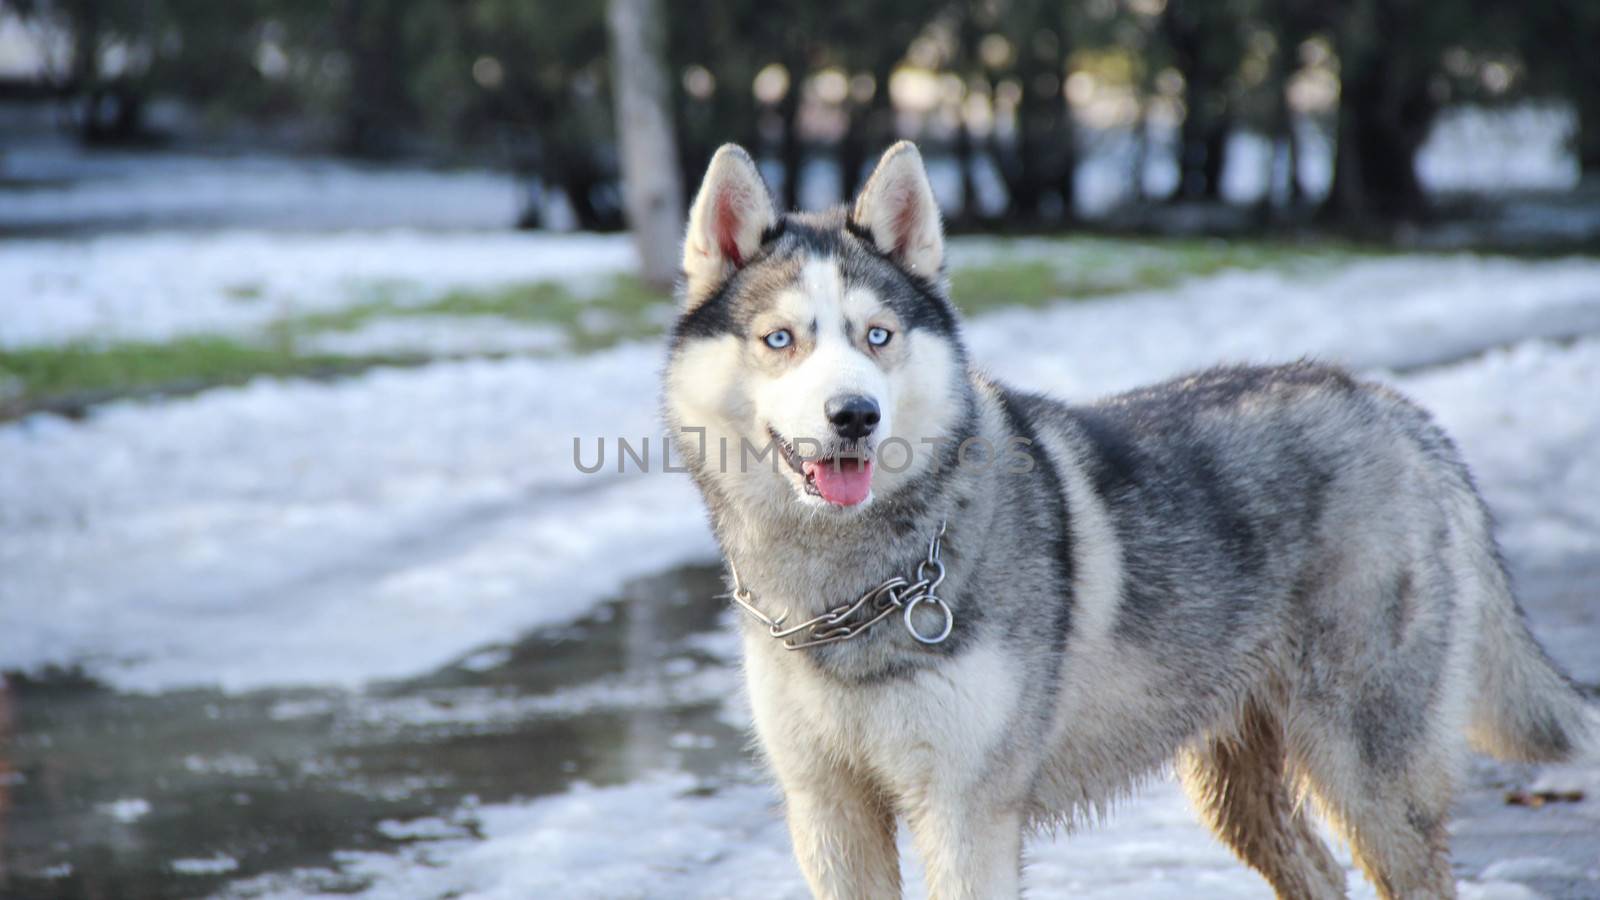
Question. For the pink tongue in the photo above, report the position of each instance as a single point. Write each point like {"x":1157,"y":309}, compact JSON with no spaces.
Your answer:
{"x":842,"y":482}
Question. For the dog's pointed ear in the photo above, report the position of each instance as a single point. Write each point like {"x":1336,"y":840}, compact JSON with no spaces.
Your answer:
{"x":729,"y":216}
{"x":898,"y":209}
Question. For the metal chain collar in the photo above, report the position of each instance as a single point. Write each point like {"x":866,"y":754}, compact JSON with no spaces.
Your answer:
{"x":848,"y":620}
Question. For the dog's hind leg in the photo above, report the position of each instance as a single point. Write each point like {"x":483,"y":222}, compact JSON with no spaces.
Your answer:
{"x":1395,"y":826}
{"x":1239,"y":786}
{"x":1378,"y":714}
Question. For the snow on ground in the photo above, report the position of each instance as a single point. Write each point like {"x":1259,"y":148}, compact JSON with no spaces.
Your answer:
{"x":436,"y":336}
{"x":1396,"y":312}
{"x":1529,"y":423}
{"x":71,"y":187}
{"x":378,"y":527}
{"x":688,"y":838}
{"x":210,"y":865}
{"x":158,"y":285}
{"x":1494,"y":150}
{"x":303,"y":532}
{"x":691,"y":836}
{"x":685,"y":842}
{"x":381,"y":526}
{"x":127,"y":810}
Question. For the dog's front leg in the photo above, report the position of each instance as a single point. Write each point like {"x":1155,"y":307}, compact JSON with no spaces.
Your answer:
{"x":843,"y":832}
{"x":971,"y":847}
{"x":841,"y":821}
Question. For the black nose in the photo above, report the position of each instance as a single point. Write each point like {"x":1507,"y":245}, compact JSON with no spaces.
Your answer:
{"x":853,"y":416}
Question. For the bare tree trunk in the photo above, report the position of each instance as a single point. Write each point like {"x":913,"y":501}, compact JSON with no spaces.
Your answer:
{"x":84,"y":81}
{"x":1384,"y":116}
{"x":1204,"y":43}
{"x":870,"y":129}
{"x":1297,"y":189}
{"x":1587,"y":140}
{"x":791,"y":150}
{"x":651,"y":185}
{"x":1141,"y":153}
{"x":964,"y":158}
{"x":1281,"y":133}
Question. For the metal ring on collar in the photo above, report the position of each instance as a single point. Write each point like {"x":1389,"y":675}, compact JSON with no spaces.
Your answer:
{"x":949,"y":619}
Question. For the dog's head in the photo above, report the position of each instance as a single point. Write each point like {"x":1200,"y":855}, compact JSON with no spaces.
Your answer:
{"x":826,"y":339}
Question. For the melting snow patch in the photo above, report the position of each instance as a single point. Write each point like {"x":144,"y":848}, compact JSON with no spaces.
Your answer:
{"x":1525,"y":418}
{"x":161,"y":285}
{"x":1496,"y":890}
{"x":687,"y":839}
{"x":431,"y":828}
{"x":486,"y":710}
{"x":127,"y":810}
{"x":485,"y":660}
{"x":1524,"y":868}
{"x":213,"y":865}
{"x":388,"y":525}
{"x":235,"y":765}
{"x":437,"y":336}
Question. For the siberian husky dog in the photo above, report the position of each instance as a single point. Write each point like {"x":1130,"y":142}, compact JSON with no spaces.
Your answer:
{"x":982,"y":611}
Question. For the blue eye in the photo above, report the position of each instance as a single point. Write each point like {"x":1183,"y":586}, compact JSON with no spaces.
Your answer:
{"x":779,"y":339}
{"x":877,"y":337}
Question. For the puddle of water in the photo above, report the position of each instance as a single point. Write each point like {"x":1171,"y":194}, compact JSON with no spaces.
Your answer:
{"x":112,"y":795}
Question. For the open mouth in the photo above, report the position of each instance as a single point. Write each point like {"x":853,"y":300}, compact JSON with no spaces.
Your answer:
{"x":844,"y":479}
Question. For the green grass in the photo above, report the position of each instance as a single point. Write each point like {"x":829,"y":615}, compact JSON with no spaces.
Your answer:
{"x":1019,"y":273}
{"x":1003,"y":273}
{"x":624,"y":308}
{"x":39,"y":374}
{"x":78,"y":374}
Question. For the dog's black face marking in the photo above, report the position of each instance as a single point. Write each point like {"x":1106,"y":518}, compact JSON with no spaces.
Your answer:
{"x":924,"y":303}
{"x":710,"y":319}
{"x":918,"y":302}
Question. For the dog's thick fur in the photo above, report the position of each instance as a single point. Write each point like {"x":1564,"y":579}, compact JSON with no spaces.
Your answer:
{"x":1283,"y":578}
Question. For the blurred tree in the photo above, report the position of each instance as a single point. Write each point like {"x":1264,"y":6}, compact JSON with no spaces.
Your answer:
{"x":531,"y":81}
{"x":1558,"y":41}
{"x":968,"y":65}
{"x":377,"y":108}
{"x":111,"y":49}
{"x":1039,"y":164}
{"x":871,"y":44}
{"x":1390,"y":55}
{"x":652,"y":192}
{"x":1206,"y":41}
{"x":542,"y":77}
{"x":1291,"y":23}
{"x":716,"y":68}
{"x":245,"y":59}
{"x":792,"y":35}
{"x":720,"y":46}
{"x":1385,"y":111}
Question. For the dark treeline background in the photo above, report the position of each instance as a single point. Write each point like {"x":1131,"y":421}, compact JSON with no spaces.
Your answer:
{"x":1014,"y":88}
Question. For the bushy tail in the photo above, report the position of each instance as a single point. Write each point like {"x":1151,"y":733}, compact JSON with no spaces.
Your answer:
{"x":1525,"y":709}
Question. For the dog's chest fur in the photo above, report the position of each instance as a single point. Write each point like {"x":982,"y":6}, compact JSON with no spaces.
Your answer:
{"x":891,"y":728}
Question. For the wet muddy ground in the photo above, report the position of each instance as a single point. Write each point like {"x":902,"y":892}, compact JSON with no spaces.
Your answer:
{"x":109,"y":795}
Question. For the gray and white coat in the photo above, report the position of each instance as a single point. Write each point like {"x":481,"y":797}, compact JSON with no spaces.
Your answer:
{"x":1281,"y":578}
